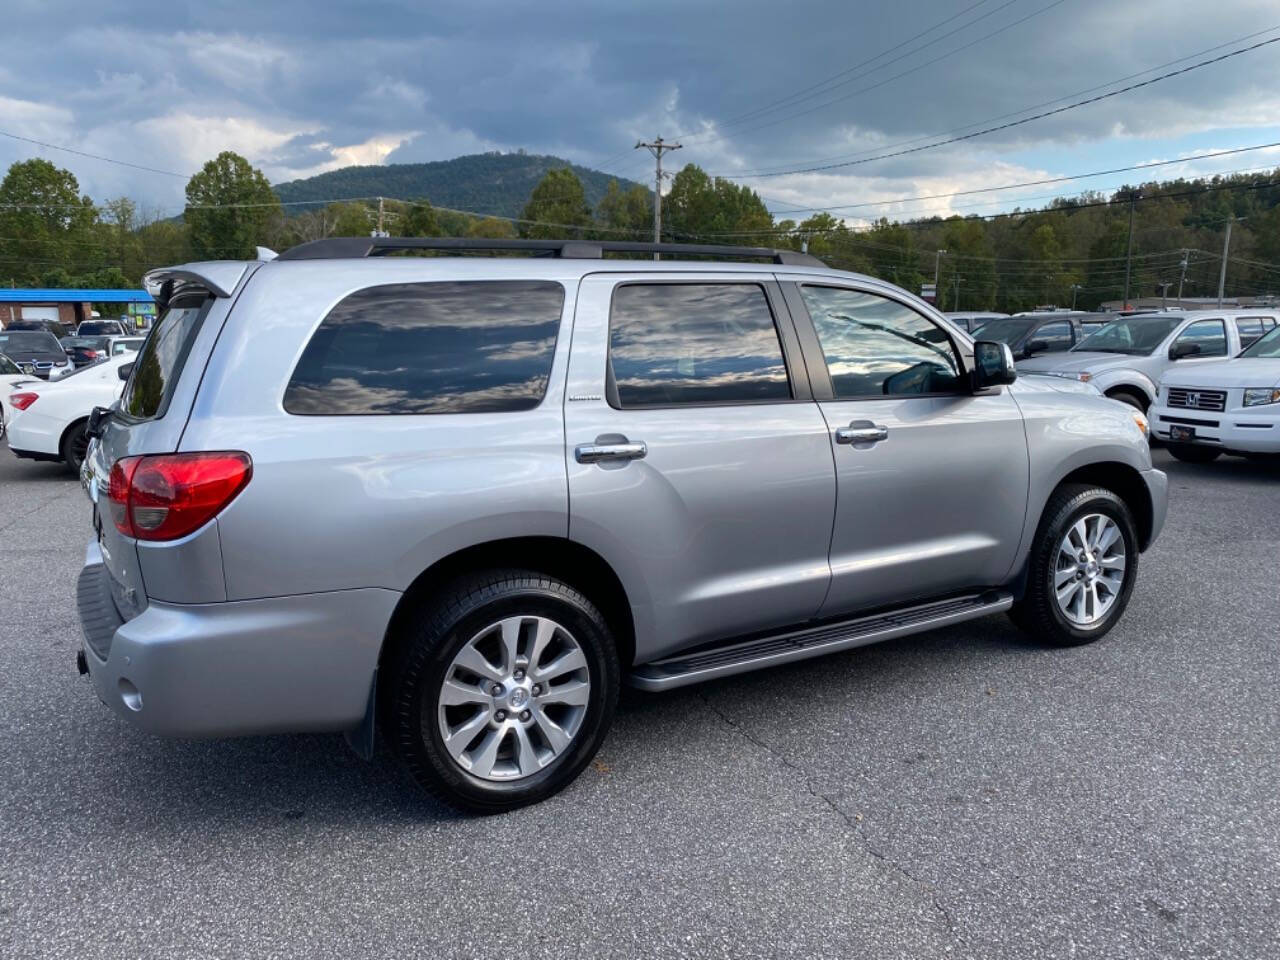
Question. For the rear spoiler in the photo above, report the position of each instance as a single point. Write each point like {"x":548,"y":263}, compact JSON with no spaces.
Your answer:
{"x":219,"y":277}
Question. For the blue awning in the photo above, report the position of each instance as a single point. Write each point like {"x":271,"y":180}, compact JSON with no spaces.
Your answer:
{"x":37,"y":295}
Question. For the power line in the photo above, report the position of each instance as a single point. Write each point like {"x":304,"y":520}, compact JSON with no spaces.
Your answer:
{"x":835,"y":80}
{"x":904,"y":73}
{"x":1074,"y":206}
{"x":1034,"y":106}
{"x":1047,"y":180}
{"x":1012,"y":123}
{"x":92,"y":156}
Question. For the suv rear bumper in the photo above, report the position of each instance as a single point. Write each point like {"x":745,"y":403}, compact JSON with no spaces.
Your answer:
{"x":276,"y":665}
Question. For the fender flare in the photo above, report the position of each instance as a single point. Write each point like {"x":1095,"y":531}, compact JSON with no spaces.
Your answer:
{"x":1127,"y":378}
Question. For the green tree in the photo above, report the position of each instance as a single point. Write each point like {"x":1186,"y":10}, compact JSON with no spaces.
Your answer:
{"x":701,"y":209}
{"x":969,"y":254}
{"x":625,"y":216}
{"x":557,"y":208}
{"x":895,"y":255}
{"x":418,"y":221}
{"x":348,"y":220}
{"x":229,"y":208}
{"x":44,"y":221}
{"x":491,"y":228}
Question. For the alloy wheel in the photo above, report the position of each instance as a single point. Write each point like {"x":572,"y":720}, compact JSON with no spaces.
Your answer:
{"x":513,"y":699}
{"x":1089,"y":572}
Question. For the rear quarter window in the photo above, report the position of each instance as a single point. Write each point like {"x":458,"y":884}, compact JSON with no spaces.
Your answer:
{"x":426,"y":348}
{"x":163,"y":354}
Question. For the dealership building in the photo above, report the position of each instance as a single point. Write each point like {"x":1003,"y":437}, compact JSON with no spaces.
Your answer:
{"x":73,"y":306}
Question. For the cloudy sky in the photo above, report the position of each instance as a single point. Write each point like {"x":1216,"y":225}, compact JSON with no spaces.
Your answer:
{"x":746,"y":86}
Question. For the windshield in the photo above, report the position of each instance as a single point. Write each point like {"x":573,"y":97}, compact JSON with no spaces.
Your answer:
{"x":99,"y":326}
{"x":89,"y":343}
{"x":1137,"y":336}
{"x":28,"y":342}
{"x":1006,"y":329}
{"x":1267,"y":347}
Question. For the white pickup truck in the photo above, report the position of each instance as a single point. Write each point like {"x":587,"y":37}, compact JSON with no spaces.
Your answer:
{"x":1231,"y":406}
{"x":1127,"y":358}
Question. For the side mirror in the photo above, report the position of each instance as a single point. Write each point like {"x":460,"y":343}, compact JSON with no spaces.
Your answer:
{"x":125,"y":370}
{"x":992,"y":364}
{"x":1035,"y":346}
{"x":1180,"y":350}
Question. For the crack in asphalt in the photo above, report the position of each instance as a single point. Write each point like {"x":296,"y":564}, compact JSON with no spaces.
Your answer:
{"x":849,"y":822}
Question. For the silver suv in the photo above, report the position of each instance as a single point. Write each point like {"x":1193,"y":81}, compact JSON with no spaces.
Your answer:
{"x":459,"y":500}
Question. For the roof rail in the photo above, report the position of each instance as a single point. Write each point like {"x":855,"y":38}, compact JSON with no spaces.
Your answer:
{"x":346,"y":248}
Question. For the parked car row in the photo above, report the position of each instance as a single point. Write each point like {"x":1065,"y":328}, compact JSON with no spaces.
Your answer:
{"x":85,"y":350}
{"x":95,"y":327}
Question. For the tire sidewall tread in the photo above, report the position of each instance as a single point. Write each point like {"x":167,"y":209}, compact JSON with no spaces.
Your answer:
{"x":418,"y":664}
{"x":1037,"y":612}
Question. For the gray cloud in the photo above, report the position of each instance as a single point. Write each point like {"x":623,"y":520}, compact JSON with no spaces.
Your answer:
{"x":300,"y":87}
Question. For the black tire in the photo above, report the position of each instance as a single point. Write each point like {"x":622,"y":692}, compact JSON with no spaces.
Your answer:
{"x":1129,"y":397}
{"x":74,"y":445}
{"x":1190,"y":453}
{"x":1037,"y":613}
{"x":416,"y":667}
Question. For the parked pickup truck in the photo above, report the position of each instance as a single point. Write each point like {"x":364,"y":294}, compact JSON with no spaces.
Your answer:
{"x":1231,"y":406}
{"x":1127,"y":358}
{"x":458,"y":500}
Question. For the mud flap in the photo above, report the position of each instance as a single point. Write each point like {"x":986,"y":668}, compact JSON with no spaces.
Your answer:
{"x":360,"y":738}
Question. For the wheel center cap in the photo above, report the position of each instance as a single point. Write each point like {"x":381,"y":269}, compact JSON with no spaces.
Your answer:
{"x":519,"y":697}
{"x":1091,"y":568}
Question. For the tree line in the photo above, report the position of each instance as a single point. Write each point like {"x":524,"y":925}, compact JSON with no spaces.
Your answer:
{"x":1072,"y":251}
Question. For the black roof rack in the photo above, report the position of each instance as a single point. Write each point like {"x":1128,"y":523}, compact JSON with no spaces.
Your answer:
{"x":346,"y":248}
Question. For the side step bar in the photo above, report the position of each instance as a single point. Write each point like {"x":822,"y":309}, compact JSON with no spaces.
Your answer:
{"x":723,"y":661}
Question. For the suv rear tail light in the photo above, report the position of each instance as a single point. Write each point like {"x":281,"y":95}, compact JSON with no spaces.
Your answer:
{"x":168,"y":496}
{"x":21,"y":401}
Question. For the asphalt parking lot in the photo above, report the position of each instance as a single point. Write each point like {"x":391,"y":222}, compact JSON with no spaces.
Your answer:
{"x":962,"y":793}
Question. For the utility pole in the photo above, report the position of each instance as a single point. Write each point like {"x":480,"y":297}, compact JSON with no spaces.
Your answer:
{"x":1164,"y":286}
{"x":1186,"y":256}
{"x":956,"y":281}
{"x":380,"y":232}
{"x":937,"y":267}
{"x":1128,"y":259}
{"x":1075,"y":288}
{"x":658,"y":147}
{"x":1226,"y":245}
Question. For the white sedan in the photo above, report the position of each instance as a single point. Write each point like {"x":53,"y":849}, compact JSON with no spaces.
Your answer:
{"x":11,"y":378}
{"x":50,"y":418}
{"x":1232,"y":406}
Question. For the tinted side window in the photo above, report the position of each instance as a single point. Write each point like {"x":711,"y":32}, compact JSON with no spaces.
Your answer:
{"x":1209,"y":335}
{"x":695,"y":343}
{"x":1057,"y":335}
{"x":877,"y":347}
{"x":413,"y":348}
{"x":161,"y":358}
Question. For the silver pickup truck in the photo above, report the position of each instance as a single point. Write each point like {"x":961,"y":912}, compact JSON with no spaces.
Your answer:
{"x":458,"y":500}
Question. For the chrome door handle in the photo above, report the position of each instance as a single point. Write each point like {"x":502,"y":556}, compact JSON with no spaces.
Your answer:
{"x":600,"y":452}
{"x":862,"y":431}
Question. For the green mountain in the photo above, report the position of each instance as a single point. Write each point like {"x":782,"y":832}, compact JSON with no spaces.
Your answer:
{"x":485,"y":183}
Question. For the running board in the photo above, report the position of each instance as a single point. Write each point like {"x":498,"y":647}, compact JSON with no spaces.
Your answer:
{"x":723,"y":661}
